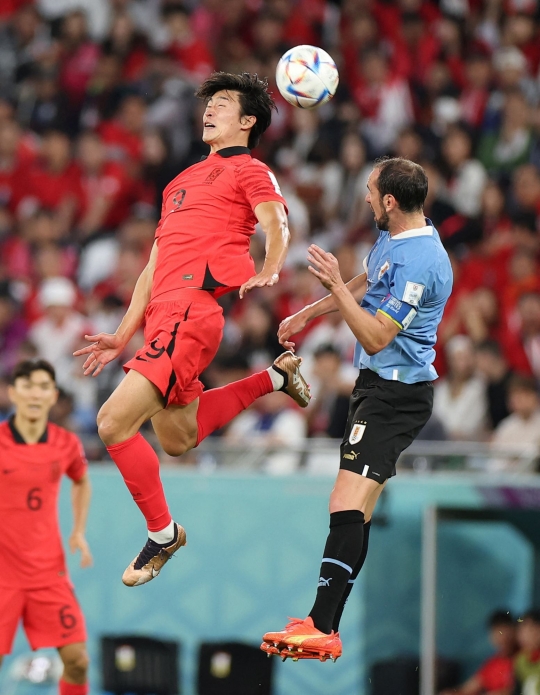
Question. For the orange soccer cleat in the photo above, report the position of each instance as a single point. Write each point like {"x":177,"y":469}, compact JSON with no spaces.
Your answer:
{"x":301,"y":640}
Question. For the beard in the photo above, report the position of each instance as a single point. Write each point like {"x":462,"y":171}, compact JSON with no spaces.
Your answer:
{"x":382,"y":222}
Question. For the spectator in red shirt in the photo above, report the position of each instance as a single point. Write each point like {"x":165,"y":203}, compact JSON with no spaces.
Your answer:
{"x":128,"y":46}
{"x":104,"y":188}
{"x":474,"y":98}
{"x":12,"y":168}
{"x":384,"y":99}
{"x":123,"y":134}
{"x":495,"y":676}
{"x":78,"y":56}
{"x":521,"y":343}
{"x":190,"y":51}
{"x":51,"y":182}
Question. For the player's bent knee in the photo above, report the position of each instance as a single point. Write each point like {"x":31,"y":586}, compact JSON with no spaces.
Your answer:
{"x":110,"y":429}
{"x":75,"y":664}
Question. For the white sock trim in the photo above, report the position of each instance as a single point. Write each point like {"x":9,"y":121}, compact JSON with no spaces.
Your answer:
{"x":277,"y":379}
{"x":164,"y":536}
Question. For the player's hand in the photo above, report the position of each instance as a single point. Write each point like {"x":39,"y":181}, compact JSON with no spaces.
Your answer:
{"x":105,"y":348}
{"x":325,"y":267}
{"x":291,"y":326}
{"x":265,"y":278}
{"x":77,"y":541}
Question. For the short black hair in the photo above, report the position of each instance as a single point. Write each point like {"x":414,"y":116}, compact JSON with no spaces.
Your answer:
{"x":533,"y":614}
{"x":491,"y":346}
{"x":327,"y":349}
{"x":500,"y":617}
{"x":522,"y":382}
{"x":405,"y":180}
{"x":255,"y":99}
{"x":26,"y":368}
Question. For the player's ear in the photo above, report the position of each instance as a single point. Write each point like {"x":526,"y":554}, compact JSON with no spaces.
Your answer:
{"x":11,"y":393}
{"x":247,"y":122}
{"x":389,"y":202}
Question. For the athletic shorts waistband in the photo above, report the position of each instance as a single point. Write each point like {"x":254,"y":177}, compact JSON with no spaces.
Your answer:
{"x":186,"y":294}
{"x":368,"y":376}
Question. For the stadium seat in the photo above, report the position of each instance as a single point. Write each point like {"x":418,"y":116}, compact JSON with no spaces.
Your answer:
{"x":140,"y":665}
{"x":227,"y":668}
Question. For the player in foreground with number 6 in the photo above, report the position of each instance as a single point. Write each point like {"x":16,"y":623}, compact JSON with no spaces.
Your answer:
{"x":35,"y":586}
{"x":201,"y":252}
{"x":404,"y":289}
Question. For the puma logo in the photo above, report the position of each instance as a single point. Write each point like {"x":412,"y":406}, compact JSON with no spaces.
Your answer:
{"x":324,"y":582}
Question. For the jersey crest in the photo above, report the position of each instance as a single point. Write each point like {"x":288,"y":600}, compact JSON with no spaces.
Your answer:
{"x":384,"y":268}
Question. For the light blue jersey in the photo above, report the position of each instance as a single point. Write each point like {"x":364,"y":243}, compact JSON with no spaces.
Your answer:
{"x":409,"y":279}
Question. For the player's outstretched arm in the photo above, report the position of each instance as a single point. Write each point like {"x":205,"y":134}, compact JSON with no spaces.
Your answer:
{"x":273,"y":220}
{"x":81,"y":491}
{"x":297,"y":322}
{"x":373,"y":333}
{"x":106,"y":347}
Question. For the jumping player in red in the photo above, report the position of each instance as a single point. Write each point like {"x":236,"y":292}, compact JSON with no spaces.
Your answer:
{"x":34,"y":455}
{"x":201,"y":252}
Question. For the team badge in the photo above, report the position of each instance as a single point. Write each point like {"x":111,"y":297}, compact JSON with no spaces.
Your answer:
{"x":383,"y":269}
{"x":357,"y":432}
{"x":212,"y":176}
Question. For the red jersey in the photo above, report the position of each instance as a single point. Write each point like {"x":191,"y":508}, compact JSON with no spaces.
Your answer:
{"x":497,"y":674}
{"x":207,"y":221}
{"x":113,"y":184}
{"x":30,"y":477}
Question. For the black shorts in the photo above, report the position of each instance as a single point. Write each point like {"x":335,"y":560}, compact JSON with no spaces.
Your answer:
{"x":384,"y":419}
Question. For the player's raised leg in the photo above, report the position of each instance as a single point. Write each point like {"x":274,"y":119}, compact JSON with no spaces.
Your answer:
{"x":74,"y":680}
{"x":134,"y":402}
{"x":179,"y":429}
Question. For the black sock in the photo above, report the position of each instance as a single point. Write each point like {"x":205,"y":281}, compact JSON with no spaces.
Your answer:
{"x":341,"y":553}
{"x":350,"y":583}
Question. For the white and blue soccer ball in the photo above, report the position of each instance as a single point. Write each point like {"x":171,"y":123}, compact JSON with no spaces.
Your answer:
{"x":307,"y":76}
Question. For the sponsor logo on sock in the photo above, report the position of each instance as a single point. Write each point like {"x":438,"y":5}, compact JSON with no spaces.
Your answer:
{"x":324,"y":582}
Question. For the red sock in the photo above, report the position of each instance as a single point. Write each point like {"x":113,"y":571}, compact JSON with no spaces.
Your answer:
{"x":72,"y":689}
{"x":139,"y":465}
{"x":217,"y":407}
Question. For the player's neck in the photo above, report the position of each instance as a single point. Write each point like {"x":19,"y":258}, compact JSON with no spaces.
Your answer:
{"x":216,"y":146}
{"x":30,"y":430}
{"x":404,"y":223}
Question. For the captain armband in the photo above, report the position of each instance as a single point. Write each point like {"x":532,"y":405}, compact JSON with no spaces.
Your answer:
{"x":397,"y":311}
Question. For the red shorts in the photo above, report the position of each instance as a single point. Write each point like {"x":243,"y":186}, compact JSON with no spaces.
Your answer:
{"x":51,"y":616}
{"x":181,"y":337}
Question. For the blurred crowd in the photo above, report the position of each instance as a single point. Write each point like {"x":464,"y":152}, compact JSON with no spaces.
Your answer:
{"x":97,"y":115}
{"x":514,"y":667}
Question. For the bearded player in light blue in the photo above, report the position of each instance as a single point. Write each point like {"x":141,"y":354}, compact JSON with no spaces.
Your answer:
{"x":402,"y":295}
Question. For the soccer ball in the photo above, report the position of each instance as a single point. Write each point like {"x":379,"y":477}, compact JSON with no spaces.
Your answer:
{"x":307,"y":76}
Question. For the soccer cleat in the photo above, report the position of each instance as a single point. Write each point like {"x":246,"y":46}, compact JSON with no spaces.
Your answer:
{"x":286,"y":653}
{"x":149,"y":562}
{"x":288,"y":365}
{"x":301,"y":639}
